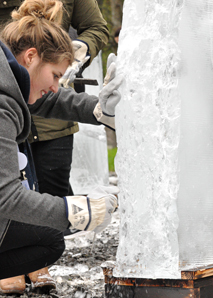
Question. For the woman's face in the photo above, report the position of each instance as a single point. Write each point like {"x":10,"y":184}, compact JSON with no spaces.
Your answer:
{"x":44,"y":77}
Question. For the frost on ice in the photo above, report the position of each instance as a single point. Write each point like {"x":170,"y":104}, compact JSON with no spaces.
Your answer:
{"x":164,"y":126}
{"x":195,"y":199}
{"x":148,"y":139}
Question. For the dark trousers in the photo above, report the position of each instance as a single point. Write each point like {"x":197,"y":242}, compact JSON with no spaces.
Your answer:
{"x":27,"y":248}
{"x":52,"y":161}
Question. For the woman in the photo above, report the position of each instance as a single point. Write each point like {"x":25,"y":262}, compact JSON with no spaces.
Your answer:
{"x":30,"y":222}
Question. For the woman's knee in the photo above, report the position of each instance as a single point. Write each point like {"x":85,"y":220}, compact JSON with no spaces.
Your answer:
{"x":61,"y":246}
{"x":58,"y":245}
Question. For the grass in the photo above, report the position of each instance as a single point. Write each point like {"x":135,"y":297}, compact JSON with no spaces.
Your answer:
{"x":111,"y":156}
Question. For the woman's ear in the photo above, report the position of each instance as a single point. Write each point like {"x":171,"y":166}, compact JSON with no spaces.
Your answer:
{"x":29,"y":56}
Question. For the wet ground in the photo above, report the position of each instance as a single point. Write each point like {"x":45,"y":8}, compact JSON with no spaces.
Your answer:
{"x":78,"y":272}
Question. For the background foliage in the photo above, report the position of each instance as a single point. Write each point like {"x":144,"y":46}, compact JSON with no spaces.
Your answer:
{"x":112,"y":12}
{"x":111,"y":156}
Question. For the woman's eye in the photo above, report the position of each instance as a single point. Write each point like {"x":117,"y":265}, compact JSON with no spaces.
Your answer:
{"x":56,"y":76}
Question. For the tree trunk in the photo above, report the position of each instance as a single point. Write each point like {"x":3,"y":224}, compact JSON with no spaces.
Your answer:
{"x":117,"y":12}
{"x":112,"y":13}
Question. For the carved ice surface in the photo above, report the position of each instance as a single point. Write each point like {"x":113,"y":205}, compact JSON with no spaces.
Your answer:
{"x":164,"y":129}
{"x":148,"y":125}
{"x":90,"y":158}
{"x":195,"y":199}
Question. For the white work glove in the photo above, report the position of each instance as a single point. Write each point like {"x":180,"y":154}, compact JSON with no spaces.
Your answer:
{"x":111,"y":58}
{"x":80,"y":57}
{"x":109,"y":96}
{"x":92,"y":213}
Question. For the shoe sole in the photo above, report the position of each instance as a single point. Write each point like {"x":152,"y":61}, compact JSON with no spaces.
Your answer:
{"x":12,"y":291}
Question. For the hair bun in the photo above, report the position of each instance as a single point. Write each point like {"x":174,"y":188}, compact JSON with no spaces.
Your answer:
{"x":39,"y":14}
{"x":51,"y":10}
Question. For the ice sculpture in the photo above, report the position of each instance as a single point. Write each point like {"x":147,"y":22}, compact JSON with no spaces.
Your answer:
{"x":90,"y":159}
{"x":195,"y":199}
{"x":164,"y":127}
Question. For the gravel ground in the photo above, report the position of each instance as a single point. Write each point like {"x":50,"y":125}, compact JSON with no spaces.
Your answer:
{"x":78,"y":272}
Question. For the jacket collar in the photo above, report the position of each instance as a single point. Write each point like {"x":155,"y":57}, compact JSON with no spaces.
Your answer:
{"x":20,"y":73}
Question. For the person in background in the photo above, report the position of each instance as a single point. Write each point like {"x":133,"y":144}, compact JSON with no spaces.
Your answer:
{"x":116,"y":35}
{"x":31,"y":223}
{"x":78,"y":87}
{"x":111,"y":135}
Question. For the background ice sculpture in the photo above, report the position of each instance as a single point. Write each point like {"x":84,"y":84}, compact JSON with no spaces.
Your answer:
{"x":164,"y":127}
{"x":90,"y":159}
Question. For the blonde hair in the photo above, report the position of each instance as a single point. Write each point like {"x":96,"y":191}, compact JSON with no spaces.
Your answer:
{"x":36,"y":24}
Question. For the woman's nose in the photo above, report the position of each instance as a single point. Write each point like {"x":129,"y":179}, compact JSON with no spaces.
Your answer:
{"x":54,"y":88}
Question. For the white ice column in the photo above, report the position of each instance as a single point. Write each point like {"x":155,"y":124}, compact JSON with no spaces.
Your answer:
{"x":164,"y":129}
{"x":195,"y":199}
{"x":148,"y":132}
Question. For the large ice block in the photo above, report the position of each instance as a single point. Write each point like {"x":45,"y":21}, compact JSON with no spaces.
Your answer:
{"x":148,"y":132}
{"x":195,"y":199}
{"x":164,"y":127}
{"x":90,"y":157}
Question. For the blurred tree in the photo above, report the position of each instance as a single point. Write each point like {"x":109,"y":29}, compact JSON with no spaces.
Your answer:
{"x":112,"y":12}
{"x":117,"y":11}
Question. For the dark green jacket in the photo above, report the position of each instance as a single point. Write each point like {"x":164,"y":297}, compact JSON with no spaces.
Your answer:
{"x":86,"y":18}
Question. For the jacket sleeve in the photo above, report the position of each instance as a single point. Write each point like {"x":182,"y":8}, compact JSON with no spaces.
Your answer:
{"x":66,"y":105}
{"x":16,"y":202}
{"x":86,"y":18}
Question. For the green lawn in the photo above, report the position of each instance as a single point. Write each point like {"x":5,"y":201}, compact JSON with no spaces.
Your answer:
{"x":111,"y":156}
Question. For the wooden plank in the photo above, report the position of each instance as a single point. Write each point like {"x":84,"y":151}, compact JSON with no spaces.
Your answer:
{"x":166,"y":293}
{"x":197,"y":273}
{"x":206,"y":292}
{"x":203,"y":282}
{"x":115,"y":291}
{"x":143,"y":282}
{"x":192,"y":274}
{"x":196,"y":283}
